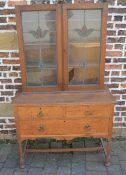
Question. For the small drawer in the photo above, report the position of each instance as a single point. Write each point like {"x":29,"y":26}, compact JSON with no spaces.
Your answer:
{"x":88,"y":111}
{"x":38,"y":113}
{"x":85,"y":126}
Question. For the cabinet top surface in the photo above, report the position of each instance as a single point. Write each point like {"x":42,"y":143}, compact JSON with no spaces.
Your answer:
{"x":65,"y":98}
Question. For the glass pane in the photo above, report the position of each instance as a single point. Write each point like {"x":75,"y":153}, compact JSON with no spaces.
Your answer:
{"x":48,"y":55}
{"x":39,"y":26}
{"x":40,"y":56}
{"x":83,"y":76}
{"x":33,"y":77}
{"x":32,"y":55}
{"x":41,"y":77}
{"x":84,"y":32}
{"x":39,"y":36}
{"x":49,"y":77}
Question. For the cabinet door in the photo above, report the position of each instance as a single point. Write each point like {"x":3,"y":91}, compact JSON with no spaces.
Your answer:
{"x":40,"y":46}
{"x":84,"y":28}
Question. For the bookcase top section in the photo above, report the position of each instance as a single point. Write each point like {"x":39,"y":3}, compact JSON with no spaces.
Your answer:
{"x":62,"y":47}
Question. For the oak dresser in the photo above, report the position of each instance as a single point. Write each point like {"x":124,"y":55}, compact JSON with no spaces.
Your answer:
{"x":62,"y":58}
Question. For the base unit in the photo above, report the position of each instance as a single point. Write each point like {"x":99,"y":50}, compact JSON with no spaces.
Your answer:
{"x":64,"y":119}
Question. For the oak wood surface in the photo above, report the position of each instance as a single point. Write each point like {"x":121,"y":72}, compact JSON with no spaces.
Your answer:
{"x":93,"y":149}
{"x":88,"y":110}
{"x":55,"y":115}
{"x":90,"y":126}
{"x":60,"y":112}
{"x":39,"y":113}
{"x":62,"y":97}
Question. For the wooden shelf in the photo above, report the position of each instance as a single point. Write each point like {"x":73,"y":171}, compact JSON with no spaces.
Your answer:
{"x":95,"y":30}
{"x":40,"y":68}
{"x":39,"y":43}
{"x":82,"y":20}
{"x":41,"y":85}
{"x":83,"y":66}
{"x":49,"y":31}
{"x":32,"y":21}
{"x":86,"y":45}
{"x":41,"y":65}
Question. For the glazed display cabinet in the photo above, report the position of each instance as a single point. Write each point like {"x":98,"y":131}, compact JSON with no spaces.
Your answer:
{"x":62,"y":57}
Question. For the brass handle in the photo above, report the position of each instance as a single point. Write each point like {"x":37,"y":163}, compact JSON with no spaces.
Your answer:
{"x":88,"y":127}
{"x":88,"y":112}
{"x":41,"y":128}
{"x":40,"y":114}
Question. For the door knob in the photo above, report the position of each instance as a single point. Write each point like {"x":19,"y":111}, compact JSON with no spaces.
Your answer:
{"x":88,"y":127}
{"x":41,"y":128}
{"x":40,"y":114}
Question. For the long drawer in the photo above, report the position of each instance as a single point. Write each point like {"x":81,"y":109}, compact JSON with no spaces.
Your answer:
{"x":87,"y":126}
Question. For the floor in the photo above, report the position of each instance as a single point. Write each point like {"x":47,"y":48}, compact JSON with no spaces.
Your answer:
{"x":64,"y":163}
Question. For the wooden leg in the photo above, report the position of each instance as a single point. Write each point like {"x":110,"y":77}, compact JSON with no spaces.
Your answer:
{"x":21,"y":156}
{"x":108,"y":148}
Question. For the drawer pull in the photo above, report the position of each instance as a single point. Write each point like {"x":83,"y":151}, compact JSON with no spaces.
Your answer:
{"x":87,"y":127}
{"x":40,"y":114}
{"x":88,"y":113}
{"x":41,"y":128}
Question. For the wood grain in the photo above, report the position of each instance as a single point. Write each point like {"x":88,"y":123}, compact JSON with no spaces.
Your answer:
{"x":60,"y":98}
{"x":87,"y":126}
{"x":39,"y":113}
{"x":88,"y":110}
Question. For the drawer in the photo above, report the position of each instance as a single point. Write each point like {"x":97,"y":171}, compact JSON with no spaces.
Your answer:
{"x":85,"y":126}
{"x":37,"y":113}
{"x":88,"y":111}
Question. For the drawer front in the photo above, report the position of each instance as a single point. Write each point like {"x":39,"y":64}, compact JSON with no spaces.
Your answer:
{"x":38,"y":113}
{"x":88,"y":111}
{"x":86,"y":126}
